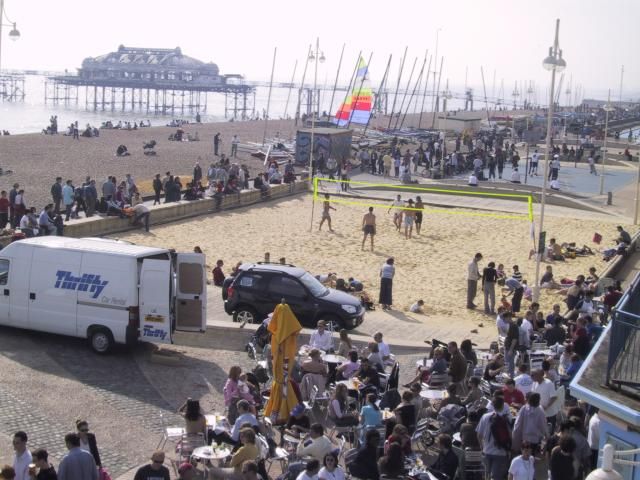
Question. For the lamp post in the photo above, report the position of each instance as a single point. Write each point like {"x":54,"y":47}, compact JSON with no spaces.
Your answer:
{"x":607,"y":109}
{"x":316,"y":57}
{"x":555,"y":63}
{"x":446,"y":95}
{"x":14,"y":34}
{"x":637,"y":197}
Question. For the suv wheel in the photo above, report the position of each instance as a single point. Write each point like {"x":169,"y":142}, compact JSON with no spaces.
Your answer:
{"x":333,"y":322}
{"x":245,"y":314}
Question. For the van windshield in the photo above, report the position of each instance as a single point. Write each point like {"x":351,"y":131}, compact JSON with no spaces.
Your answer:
{"x":314,"y":286}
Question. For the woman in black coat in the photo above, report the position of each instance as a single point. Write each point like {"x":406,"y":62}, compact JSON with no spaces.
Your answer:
{"x":88,"y":440}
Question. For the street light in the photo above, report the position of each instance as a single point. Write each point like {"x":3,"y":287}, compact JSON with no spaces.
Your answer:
{"x":14,"y":34}
{"x":316,"y":57}
{"x":555,"y":63}
{"x":607,"y":108}
{"x":446,"y":95}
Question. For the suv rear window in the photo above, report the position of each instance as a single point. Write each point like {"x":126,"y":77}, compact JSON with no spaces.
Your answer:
{"x":286,"y":286}
{"x":252,"y":280}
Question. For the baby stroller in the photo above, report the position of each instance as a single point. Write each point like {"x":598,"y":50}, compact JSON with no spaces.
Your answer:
{"x":149,"y":148}
{"x":449,"y":420}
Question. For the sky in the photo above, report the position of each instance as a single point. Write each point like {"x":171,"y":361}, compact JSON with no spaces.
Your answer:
{"x":508,"y":37}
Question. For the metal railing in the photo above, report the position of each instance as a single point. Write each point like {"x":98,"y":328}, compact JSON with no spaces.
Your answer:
{"x":623,"y":366}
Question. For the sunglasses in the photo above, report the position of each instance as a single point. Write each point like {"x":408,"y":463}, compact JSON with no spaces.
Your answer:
{"x":84,"y":430}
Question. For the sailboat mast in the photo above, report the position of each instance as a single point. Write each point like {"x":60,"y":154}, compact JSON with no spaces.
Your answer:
{"x":335,"y":84}
{"x":404,"y":96}
{"x":351,"y":81}
{"x":286,"y":105}
{"x":266,"y":117}
{"x":415,"y":87}
{"x":395,"y":95}
{"x":359,"y":91}
{"x":382,"y":85}
{"x":424,"y":94}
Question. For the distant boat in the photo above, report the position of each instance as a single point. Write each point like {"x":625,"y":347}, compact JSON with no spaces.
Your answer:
{"x":357,"y":108}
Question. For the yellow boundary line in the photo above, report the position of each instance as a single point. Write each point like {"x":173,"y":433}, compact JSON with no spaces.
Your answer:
{"x":529,"y":199}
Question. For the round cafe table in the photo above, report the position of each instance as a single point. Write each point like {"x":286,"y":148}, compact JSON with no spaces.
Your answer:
{"x":332,"y":358}
{"x":432,"y":394}
{"x":291,"y":439}
{"x":209,"y":453}
{"x":422,"y":363}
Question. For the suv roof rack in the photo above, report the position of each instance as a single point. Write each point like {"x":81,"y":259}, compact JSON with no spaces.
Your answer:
{"x":276,"y":263}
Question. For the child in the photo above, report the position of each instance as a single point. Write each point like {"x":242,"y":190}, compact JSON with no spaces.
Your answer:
{"x":218,"y":275}
{"x":505,"y":304}
{"x":528,"y":292}
{"x":366,"y":302}
{"x":516,"y":273}
{"x":502,"y":276}
{"x":417,"y":307}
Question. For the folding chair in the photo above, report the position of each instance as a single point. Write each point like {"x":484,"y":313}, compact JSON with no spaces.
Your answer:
{"x":473,"y":465}
{"x":439,"y":380}
{"x":172,"y":434}
{"x":188,"y":443}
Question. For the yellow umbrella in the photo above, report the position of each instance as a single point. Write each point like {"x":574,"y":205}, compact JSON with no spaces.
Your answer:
{"x":284,"y":328}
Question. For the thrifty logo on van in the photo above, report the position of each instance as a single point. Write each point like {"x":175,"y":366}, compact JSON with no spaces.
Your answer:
{"x":149,"y":331}
{"x":88,"y":282}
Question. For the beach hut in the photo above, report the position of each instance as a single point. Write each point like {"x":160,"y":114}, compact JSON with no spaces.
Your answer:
{"x":284,"y":328}
{"x":328,"y":142}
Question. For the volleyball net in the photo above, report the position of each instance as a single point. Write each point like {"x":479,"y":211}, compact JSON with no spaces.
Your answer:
{"x":370,"y":194}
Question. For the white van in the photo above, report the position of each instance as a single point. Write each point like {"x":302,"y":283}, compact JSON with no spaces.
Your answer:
{"x":107,"y":291}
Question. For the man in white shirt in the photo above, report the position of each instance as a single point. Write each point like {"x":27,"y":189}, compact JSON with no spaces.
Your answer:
{"x":473,"y":275}
{"x":502,"y":323}
{"x":22,"y":457}
{"x":397,"y":207}
{"x":523,"y":380}
{"x":321,"y":339}
{"x":547,"y":391}
{"x":141,"y":215}
{"x":315,"y":444}
{"x":473,"y":180}
{"x":515,"y":176}
{"x":383,"y":348}
{"x":44,"y":221}
{"x":533,"y":166}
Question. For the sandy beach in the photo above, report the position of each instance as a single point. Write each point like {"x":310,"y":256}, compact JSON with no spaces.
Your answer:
{"x":36,"y":159}
{"x":431,"y":266}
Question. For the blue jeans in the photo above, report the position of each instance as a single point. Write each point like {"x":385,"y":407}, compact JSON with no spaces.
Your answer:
{"x":510,"y":359}
{"x":496,"y":466}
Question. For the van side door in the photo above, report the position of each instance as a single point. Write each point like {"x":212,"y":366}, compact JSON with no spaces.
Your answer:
{"x":191,"y":292}
{"x":5,"y":292}
{"x":53,"y":290}
{"x":154,"y":294}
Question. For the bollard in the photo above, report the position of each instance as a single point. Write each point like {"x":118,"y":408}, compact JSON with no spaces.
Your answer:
{"x":609,"y":198}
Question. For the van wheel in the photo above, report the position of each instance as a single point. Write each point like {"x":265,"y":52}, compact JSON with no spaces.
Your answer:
{"x":101,"y":340}
{"x":245,"y":315}
{"x":333,"y":322}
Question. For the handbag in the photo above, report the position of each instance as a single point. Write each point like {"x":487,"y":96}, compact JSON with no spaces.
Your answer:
{"x":103,"y":474}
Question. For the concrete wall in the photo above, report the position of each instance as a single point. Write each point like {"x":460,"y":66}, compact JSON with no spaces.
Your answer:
{"x":171,"y":212}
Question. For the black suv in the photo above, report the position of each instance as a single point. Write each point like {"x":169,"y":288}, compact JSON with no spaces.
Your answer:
{"x":257,"y":288}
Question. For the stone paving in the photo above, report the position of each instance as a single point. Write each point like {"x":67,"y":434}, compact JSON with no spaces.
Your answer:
{"x":49,"y":381}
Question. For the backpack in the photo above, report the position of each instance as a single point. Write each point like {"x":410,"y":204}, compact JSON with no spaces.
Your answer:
{"x":500,"y":432}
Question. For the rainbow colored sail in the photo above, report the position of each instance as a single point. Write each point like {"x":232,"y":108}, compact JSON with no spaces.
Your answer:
{"x":357,"y":108}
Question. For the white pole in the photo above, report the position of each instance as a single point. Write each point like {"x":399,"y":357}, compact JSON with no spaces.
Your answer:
{"x":637,"y":198}
{"x":536,"y":288}
{"x":1,"y":18}
{"x":604,"y":144}
{"x":313,"y":125}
